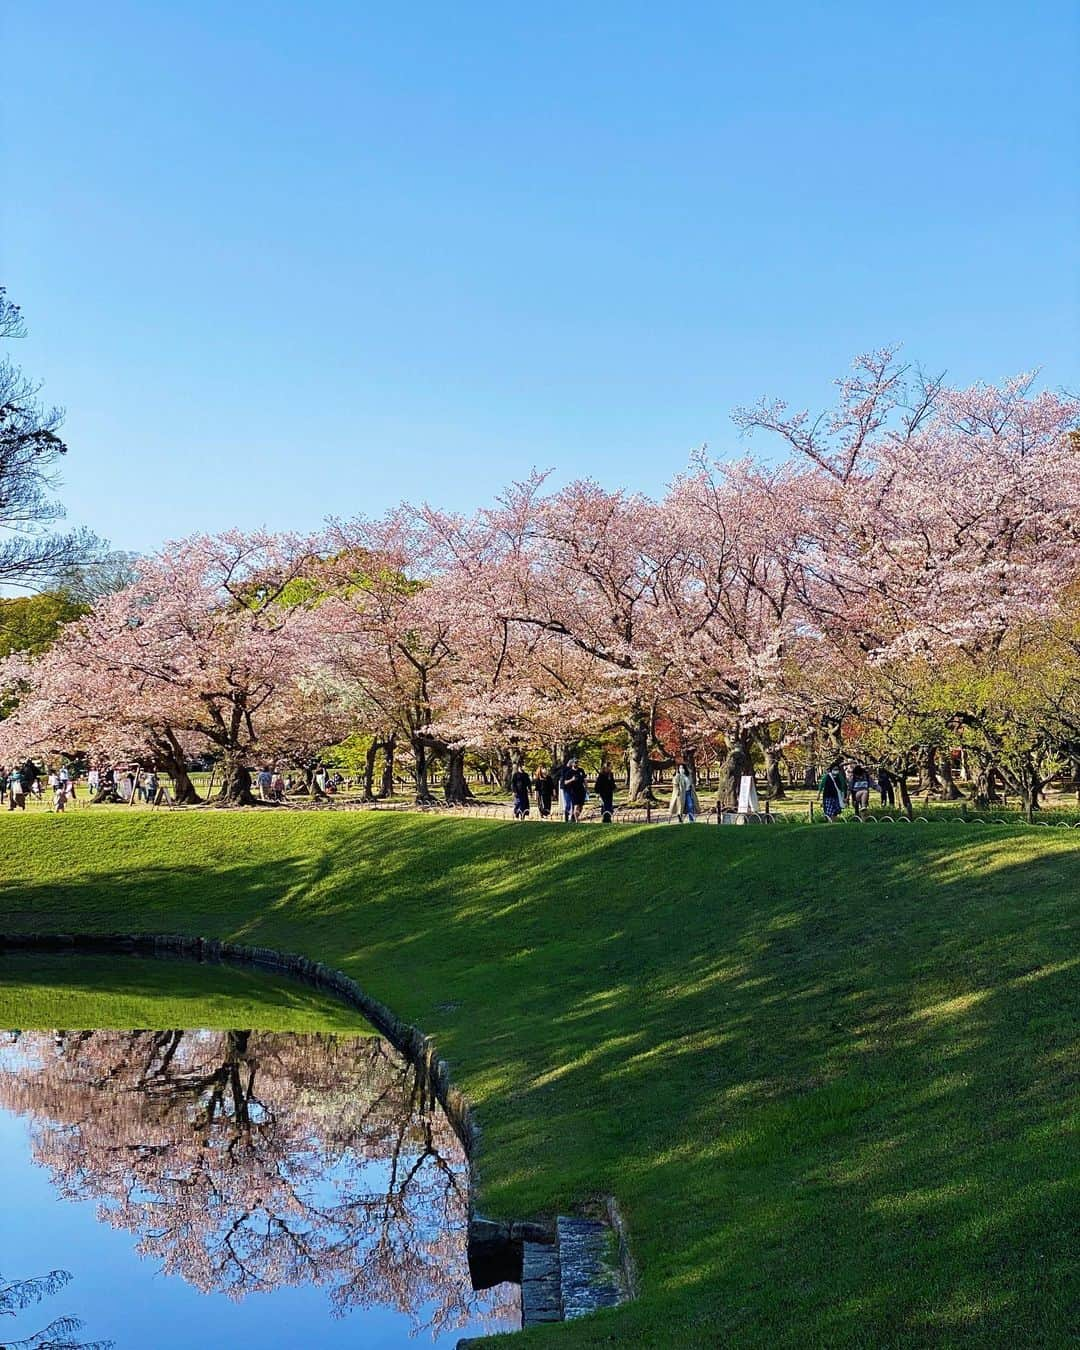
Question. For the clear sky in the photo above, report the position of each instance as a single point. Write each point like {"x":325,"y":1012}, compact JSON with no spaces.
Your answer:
{"x":287,"y":260}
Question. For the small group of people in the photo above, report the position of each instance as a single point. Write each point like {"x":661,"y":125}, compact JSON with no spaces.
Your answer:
{"x":118,"y":782}
{"x":17,"y":783}
{"x":838,"y":786}
{"x":271,"y":784}
{"x":573,"y":786}
{"x":62,"y":786}
{"x":22,"y":781}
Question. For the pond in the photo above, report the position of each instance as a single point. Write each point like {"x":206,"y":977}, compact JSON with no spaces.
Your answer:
{"x":229,"y":1187}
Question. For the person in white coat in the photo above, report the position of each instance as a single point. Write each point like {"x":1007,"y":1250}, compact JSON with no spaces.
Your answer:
{"x":682,"y":794}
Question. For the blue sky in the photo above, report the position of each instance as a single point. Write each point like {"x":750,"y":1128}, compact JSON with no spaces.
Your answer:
{"x":282,"y":261}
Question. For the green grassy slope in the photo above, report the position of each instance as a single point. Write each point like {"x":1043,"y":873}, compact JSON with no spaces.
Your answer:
{"x":829,"y":1074}
{"x":44,"y":990}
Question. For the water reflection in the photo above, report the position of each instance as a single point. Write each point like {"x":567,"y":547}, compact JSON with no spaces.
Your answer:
{"x":248,"y":1162}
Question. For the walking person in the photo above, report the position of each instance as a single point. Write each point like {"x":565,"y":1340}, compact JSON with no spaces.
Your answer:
{"x":682,"y":794}
{"x":579,"y":790}
{"x":860,"y":791}
{"x":566,"y":779}
{"x":265,"y":781}
{"x":16,"y":791}
{"x":605,"y":790}
{"x":886,"y":785}
{"x":833,"y":791}
{"x":544,"y":788}
{"x":520,"y":783}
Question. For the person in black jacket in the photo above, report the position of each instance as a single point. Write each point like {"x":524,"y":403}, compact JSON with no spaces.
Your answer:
{"x":567,"y":774}
{"x":605,"y":790}
{"x":519,"y":786}
{"x":544,"y":787}
{"x":579,"y":789}
{"x":886,"y":785}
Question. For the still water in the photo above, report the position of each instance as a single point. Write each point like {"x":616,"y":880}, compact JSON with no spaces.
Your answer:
{"x":221,"y":1188}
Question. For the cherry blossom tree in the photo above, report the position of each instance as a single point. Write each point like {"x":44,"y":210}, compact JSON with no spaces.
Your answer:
{"x":394,"y":658}
{"x":934,"y":515}
{"x":936,"y":523}
{"x":591,"y":567}
{"x":206,"y":650}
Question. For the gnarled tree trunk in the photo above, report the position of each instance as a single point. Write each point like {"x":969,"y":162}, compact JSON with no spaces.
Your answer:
{"x":734,"y":768}
{"x":235,"y":783}
{"x":983,"y":789}
{"x":929,"y":783}
{"x":774,"y":781}
{"x":172,"y":761}
{"x":951,"y":792}
{"x":639,"y":778}
{"x":456,"y":789}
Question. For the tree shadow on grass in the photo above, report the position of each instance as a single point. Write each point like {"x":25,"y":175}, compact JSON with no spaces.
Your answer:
{"x":827,"y":1076}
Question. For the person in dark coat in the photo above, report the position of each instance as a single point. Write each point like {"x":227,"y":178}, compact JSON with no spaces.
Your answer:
{"x":544,"y":787}
{"x":579,"y":790}
{"x":520,"y":784}
{"x":567,"y":774}
{"x":605,"y":790}
{"x":886,"y":785}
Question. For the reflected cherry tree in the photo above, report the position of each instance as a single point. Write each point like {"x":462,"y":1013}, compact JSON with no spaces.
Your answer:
{"x":245,"y":1161}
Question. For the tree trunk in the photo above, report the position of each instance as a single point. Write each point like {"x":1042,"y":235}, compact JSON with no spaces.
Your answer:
{"x":1029,"y":783}
{"x":369,"y":770}
{"x":172,"y":761}
{"x":420,"y":760}
{"x":951,"y":791}
{"x":832,"y":730}
{"x":639,"y":778}
{"x":235,"y":783}
{"x":386,"y":786}
{"x":456,"y":789}
{"x":929,"y":783}
{"x":734,"y":768}
{"x":983,"y":792}
{"x":773,"y":779}
{"x":506,"y":767}
{"x":902,"y":788}
{"x":183,"y":789}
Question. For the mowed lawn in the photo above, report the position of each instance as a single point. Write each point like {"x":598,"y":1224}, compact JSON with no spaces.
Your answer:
{"x":831,"y":1075}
